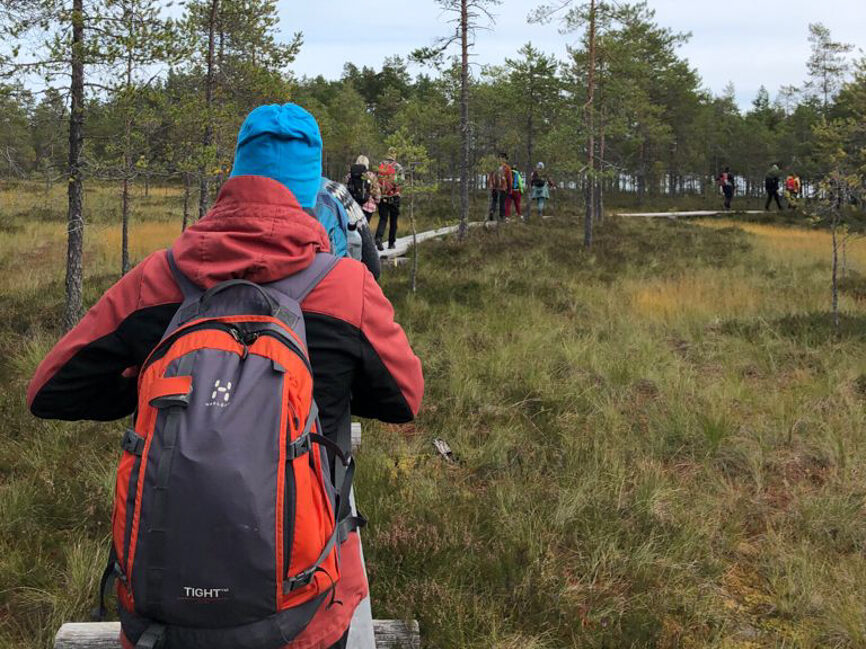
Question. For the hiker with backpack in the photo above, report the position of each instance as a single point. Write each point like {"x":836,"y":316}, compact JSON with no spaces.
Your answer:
{"x":771,"y":185}
{"x":518,"y":186}
{"x":726,"y":183}
{"x":499,"y":180}
{"x":363,"y":185}
{"x":241,"y":353}
{"x":336,"y":204}
{"x":390,"y":175}
{"x":541,"y":185}
{"x":793,"y":189}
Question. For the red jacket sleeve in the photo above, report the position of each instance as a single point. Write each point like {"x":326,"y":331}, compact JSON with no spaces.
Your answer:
{"x":82,"y":377}
{"x":390,"y":385}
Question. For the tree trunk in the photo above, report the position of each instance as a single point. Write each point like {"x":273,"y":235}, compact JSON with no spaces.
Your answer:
{"x":414,"y":230}
{"x":207,"y":140}
{"x":127,"y":159}
{"x":590,"y":135}
{"x":75,"y":217}
{"x":186,"y":191}
{"x":599,"y":186}
{"x":835,"y":273}
{"x":124,"y":243}
{"x":530,"y":132}
{"x":464,"y":119}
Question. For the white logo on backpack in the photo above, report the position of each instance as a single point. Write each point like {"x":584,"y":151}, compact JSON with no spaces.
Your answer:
{"x":221,"y":394}
{"x":192,"y":592}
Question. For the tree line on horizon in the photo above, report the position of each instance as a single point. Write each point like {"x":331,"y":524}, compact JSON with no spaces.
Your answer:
{"x":117,"y":91}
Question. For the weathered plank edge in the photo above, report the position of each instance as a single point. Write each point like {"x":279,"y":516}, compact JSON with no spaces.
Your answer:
{"x":390,"y":634}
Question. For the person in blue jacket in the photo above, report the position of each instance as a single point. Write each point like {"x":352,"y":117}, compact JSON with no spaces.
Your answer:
{"x":333,"y":216}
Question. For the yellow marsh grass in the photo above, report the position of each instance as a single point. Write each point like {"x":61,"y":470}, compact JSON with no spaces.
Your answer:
{"x":45,"y":244}
{"x":703,"y":295}
{"x":708,"y":294}
{"x":792,"y":245}
{"x":19,"y":197}
{"x":144,"y":238}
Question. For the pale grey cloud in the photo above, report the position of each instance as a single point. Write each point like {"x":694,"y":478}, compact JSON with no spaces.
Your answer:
{"x":747,"y":42}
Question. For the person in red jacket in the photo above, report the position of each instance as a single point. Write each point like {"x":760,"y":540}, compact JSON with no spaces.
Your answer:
{"x":260,"y":229}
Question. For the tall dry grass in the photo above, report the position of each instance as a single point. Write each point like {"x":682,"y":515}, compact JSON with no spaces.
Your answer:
{"x":659,"y":443}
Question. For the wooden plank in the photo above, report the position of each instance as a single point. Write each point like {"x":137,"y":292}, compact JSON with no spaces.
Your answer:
{"x":696,"y":213}
{"x":397,"y":634}
{"x":356,"y":435}
{"x":394,"y":262}
{"x":88,"y":635}
{"x":403,"y":244}
{"x":389,"y":634}
{"x":361,"y":632}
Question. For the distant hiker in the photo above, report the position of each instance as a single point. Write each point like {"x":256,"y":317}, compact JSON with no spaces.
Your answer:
{"x":364,"y":187}
{"x":360,"y":244}
{"x":499,"y":181}
{"x":518,"y":186}
{"x":227,"y":528}
{"x":390,"y":181}
{"x":726,"y":183}
{"x":540,"y":185}
{"x":793,"y":188}
{"x":771,"y":184}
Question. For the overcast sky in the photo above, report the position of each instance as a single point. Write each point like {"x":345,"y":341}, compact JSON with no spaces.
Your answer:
{"x":742,"y":41}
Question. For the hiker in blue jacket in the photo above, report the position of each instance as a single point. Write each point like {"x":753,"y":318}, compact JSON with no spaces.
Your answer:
{"x":540,"y":184}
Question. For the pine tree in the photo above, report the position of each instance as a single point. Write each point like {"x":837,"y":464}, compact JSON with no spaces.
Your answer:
{"x":827,"y":64}
{"x":140,"y":38}
{"x":467,"y":15}
{"x":68,"y":40}
{"x":534,"y":93}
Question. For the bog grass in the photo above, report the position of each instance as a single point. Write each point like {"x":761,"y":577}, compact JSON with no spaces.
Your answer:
{"x":659,"y":443}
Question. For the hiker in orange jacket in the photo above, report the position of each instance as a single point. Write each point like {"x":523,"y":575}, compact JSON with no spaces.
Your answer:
{"x":499,"y":181}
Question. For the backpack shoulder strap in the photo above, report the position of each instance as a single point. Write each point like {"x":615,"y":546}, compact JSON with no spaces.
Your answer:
{"x":190,"y":291}
{"x":299,"y":285}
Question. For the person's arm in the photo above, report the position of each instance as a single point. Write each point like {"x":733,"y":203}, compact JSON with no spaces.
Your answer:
{"x":389,"y":384}
{"x":369,"y":252}
{"x":90,"y":373}
{"x":328,"y":214}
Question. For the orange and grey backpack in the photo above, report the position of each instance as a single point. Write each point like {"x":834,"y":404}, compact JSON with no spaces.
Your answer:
{"x":388,"y":179}
{"x":227,"y":524}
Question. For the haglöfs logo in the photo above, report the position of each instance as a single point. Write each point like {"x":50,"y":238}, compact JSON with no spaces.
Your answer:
{"x":221,"y":394}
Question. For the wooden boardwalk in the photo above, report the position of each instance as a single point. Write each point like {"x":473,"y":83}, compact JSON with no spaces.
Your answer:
{"x":404,"y":244}
{"x":694,"y":214}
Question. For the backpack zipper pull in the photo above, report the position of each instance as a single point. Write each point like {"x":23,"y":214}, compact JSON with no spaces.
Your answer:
{"x":237,"y":336}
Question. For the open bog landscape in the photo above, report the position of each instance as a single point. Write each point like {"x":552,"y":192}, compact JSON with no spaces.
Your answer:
{"x":659,"y":442}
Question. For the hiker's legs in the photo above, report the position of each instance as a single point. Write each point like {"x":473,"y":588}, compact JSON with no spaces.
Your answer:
{"x":539,"y":202}
{"x":503,"y":196}
{"x":769,"y":200}
{"x":394,"y":209}
{"x":729,"y":194}
{"x":778,"y":201}
{"x":493,"y":199}
{"x":383,"y":217}
{"x":507,"y":205}
{"x":517,"y":196}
